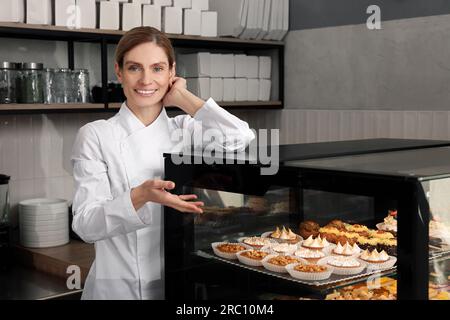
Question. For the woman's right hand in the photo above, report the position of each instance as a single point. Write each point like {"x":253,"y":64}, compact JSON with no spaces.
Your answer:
{"x":156,"y":191}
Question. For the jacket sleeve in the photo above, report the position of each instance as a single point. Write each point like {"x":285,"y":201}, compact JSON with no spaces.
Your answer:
{"x":230,"y":133}
{"x":97,"y":214}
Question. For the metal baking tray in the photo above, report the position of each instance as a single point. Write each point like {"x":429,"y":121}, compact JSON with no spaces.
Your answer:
{"x":333,"y":281}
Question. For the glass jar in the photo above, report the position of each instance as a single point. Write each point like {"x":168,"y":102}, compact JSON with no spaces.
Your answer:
{"x":8,"y":75}
{"x":63,"y":86}
{"x":49,"y":85}
{"x":81,"y":85}
{"x":31,"y":83}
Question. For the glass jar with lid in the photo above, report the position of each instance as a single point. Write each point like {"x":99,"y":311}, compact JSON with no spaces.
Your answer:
{"x":8,"y":76}
{"x":31,"y":83}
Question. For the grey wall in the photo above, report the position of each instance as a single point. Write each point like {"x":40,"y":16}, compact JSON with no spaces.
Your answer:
{"x":403,"y":66}
{"x":307,"y":14}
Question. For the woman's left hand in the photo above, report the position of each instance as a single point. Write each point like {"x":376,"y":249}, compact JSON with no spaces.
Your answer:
{"x":174,"y":95}
{"x":179,"y":96}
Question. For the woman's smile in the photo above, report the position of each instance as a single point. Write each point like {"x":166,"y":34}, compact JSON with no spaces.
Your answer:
{"x":146,"y":92}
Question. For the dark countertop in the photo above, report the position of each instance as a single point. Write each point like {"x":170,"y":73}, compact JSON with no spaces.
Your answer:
{"x":40,"y":274}
{"x":22,"y":283}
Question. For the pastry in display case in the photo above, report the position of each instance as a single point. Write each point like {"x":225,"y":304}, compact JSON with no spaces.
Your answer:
{"x":358,"y":226}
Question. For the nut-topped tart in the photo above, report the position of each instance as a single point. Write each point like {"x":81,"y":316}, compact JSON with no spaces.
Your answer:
{"x":277,"y":263}
{"x":228,"y":250}
{"x":252,"y":257}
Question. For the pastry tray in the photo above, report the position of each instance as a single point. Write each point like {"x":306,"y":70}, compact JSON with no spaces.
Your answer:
{"x":333,"y":281}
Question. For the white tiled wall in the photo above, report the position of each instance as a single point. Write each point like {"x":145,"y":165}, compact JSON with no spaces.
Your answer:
{"x":301,"y":126}
{"x":35,"y":152}
{"x":35,"y":149}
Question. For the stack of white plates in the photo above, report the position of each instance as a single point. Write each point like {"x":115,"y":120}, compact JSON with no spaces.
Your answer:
{"x":44,"y":223}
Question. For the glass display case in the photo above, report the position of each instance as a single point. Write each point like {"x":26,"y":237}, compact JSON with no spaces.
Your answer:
{"x":354,"y":223}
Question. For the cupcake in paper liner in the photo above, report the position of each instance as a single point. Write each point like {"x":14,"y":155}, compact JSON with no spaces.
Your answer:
{"x":228,"y":250}
{"x":256,"y":242}
{"x":252,"y":257}
{"x":277,"y":263}
{"x":343,"y":265}
{"x":310,"y":272}
{"x":377,"y":260}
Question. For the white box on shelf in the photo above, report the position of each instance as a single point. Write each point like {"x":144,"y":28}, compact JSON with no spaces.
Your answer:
{"x":192,"y":22}
{"x":209,"y":24}
{"x":253,"y":89}
{"x":242,"y":89}
{"x":131,"y":16}
{"x":265,"y":87}
{"x":202,"y":5}
{"x":12,"y":11}
{"x":151,"y":16}
{"x":252,"y":67}
{"x":240,"y":62}
{"x":217,"y":89}
{"x":195,"y":65}
{"x":109,"y":15}
{"x":229,"y":16}
{"x":65,"y":13}
{"x":265,"y":67}
{"x":216,"y":65}
{"x":141,"y":1}
{"x":229,"y":89}
{"x":228,"y":66}
{"x":173,"y":20}
{"x":185,"y":4}
{"x":200,"y":87}
{"x":163,"y":3}
{"x":88,"y":17}
{"x":39,"y":12}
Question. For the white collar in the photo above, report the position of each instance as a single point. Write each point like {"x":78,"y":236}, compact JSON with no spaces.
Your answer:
{"x":132,"y":124}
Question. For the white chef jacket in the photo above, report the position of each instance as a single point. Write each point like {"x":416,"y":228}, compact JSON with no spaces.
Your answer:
{"x":110,"y":157}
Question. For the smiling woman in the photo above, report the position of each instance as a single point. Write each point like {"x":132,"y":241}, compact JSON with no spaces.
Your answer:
{"x":117,"y":165}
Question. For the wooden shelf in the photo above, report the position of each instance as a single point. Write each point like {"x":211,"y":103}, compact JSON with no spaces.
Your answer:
{"x":39,"y":108}
{"x":229,"y":105}
{"x":64,"y":33}
{"x":113,"y":107}
{"x":106,"y":37}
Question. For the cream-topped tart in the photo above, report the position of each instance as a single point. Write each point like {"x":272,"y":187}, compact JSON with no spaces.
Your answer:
{"x":309,"y":255}
{"x":347,"y":249}
{"x":315,"y":243}
{"x":283,"y":234}
{"x":343,"y":262}
{"x":374,"y":256}
{"x":257,"y":241}
{"x":285,"y":248}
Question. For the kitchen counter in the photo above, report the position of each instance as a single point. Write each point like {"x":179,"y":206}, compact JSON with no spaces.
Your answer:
{"x":24,"y":283}
{"x":39,"y":274}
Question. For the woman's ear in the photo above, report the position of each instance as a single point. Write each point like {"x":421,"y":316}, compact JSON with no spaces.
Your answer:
{"x":118,"y":72}
{"x":173,"y":71}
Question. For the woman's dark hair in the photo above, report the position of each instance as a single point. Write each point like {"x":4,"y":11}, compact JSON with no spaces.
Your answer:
{"x":139,"y":35}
